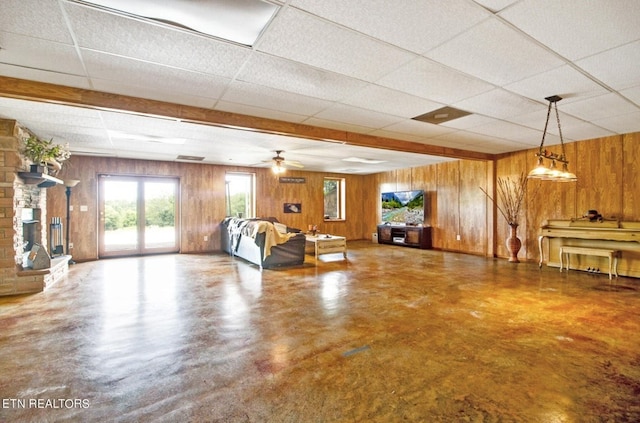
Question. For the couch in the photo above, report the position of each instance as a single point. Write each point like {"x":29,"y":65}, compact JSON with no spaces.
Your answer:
{"x":264,"y":242}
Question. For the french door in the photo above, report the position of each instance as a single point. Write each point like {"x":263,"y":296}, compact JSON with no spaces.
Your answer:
{"x":138,"y":215}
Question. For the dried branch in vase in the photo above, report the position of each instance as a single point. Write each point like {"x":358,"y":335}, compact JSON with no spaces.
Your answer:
{"x":511,"y":194}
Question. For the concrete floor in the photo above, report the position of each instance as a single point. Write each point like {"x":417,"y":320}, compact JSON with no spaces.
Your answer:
{"x":391,"y":334}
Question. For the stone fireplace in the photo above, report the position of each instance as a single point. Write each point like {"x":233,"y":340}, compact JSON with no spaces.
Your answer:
{"x":23,"y":219}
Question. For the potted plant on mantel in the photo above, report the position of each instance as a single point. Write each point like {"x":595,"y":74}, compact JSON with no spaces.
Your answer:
{"x":45,"y":155}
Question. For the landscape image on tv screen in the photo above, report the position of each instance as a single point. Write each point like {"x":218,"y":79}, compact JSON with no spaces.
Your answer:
{"x":403,"y":207}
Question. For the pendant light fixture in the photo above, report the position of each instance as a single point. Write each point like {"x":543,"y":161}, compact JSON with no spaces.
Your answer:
{"x":552,"y":172}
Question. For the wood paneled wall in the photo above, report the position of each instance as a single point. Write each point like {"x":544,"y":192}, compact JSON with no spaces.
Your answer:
{"x":360,"y":195}
{"x":203,"y":200}
{"x":455,"y":205}
{"x":607,"y":170}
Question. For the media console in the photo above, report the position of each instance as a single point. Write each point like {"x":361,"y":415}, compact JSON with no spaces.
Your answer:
{"x":408,"y":236}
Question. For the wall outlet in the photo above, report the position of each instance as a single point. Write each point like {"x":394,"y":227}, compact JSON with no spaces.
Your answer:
{"x":70,"y":245}
{"x":457,"y":237}
{"x":206,"y":237}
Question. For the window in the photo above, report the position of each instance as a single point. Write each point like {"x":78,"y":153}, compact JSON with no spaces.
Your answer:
{"x":240,"y":194}
{"x":334,"y":199}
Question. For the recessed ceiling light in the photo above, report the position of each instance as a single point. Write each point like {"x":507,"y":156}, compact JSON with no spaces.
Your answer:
{"x":240,"y":21}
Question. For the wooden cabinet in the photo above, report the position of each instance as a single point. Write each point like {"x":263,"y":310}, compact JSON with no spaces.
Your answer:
{"x":408,"y":236}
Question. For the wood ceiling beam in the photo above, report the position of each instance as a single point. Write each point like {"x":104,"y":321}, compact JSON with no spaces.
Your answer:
{"x":58,"y":94}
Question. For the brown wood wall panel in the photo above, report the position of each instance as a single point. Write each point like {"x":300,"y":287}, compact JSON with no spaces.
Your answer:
{"x":448,"y":198}
{"x":425,"y":178}
{"x":631,"y":176}
{"x":455,"y":203}
{"x":360,"y":195}
{"x":473,"y":212}
{"x":603,"y":184}
{"x":404,"y":181}
{"x":388,"y":181}
{"x":545,"y":200}
{"x":202,"y":192}
{"x":600,"y":176}
{"x":446,"y":186}
{"x":512,"y":169}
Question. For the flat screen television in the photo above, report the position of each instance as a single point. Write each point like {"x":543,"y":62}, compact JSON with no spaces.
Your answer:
{"x":403,"y":207}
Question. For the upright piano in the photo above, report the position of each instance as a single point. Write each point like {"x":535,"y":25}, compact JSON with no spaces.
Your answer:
{"x":613,"y":234}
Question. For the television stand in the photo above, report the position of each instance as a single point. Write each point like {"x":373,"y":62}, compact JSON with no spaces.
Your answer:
{"x":404,"y":235}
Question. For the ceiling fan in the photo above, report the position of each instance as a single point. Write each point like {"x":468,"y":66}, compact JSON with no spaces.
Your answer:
{"x":280,"y":164}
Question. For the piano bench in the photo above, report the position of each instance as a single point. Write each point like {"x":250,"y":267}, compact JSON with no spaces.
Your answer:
{"x":601,"y":252}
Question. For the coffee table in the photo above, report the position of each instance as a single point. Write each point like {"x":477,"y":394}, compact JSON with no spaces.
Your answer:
{"x":325,"y":244}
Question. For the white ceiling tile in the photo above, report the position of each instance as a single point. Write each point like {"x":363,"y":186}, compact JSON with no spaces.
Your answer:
{"x":468,"y":122}
{"x":510,"y":131}
{"x":632,"y":94}
{"x":151,"y":93}
{"x":41,"y":19}
{"x":34,"y":112}
{"x":565,"y":81}
{"x":617,"y":68}
{"x":432,"y":81}
{"x":496,"y":5}
{"x":621,"y":124}
{"x":384,"y":133}
{"x":424,"y":24}
{"x":155,"y":62}
{"x":106,"y":32}
{"x":240,"y":92}
{"x":34,"y":53}
{"x":600,"y":107}
{"x":572,"y":127}
{"x":151,"y":76}
{"x":417,"y":128}
{"x":44,"y":76}
{"x":306,"y":39}
{"x":355,"y":115}
{"x":498,"y":103}
{"x":385,"y":100}
{"x":448,"y":140}
{"x":262,"y":112}
{"x":580,"y":130}
{"x":325,"y":123}
{"x":297,"y":78}
{"x":495,"y":52}
{"x":577,"y":28}
{"x":478,"y":142}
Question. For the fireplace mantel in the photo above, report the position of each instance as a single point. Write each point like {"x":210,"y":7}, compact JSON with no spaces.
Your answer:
{"x":41,"y":179}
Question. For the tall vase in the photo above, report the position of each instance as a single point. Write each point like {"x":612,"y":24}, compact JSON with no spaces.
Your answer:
{"x":513,"y":243}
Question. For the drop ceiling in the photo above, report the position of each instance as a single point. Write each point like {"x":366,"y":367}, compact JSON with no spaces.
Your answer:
{"x":362,"y":69}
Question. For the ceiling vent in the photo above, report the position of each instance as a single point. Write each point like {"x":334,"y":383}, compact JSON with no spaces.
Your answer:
{"x":442,"y":115}
{"x":191,"y":158}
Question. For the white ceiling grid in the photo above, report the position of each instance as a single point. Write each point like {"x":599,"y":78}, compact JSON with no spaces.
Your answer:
{"x":364,"y":66}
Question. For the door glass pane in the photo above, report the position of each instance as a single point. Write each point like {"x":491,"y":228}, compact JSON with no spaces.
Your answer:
{"x":120,"y":215}
{"x":160,"y":214}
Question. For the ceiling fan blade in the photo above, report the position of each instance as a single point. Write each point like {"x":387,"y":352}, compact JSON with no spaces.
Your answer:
{"x":292,"y":164}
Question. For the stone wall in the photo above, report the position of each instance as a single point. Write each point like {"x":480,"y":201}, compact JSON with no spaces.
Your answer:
{"x":15,"y":195}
